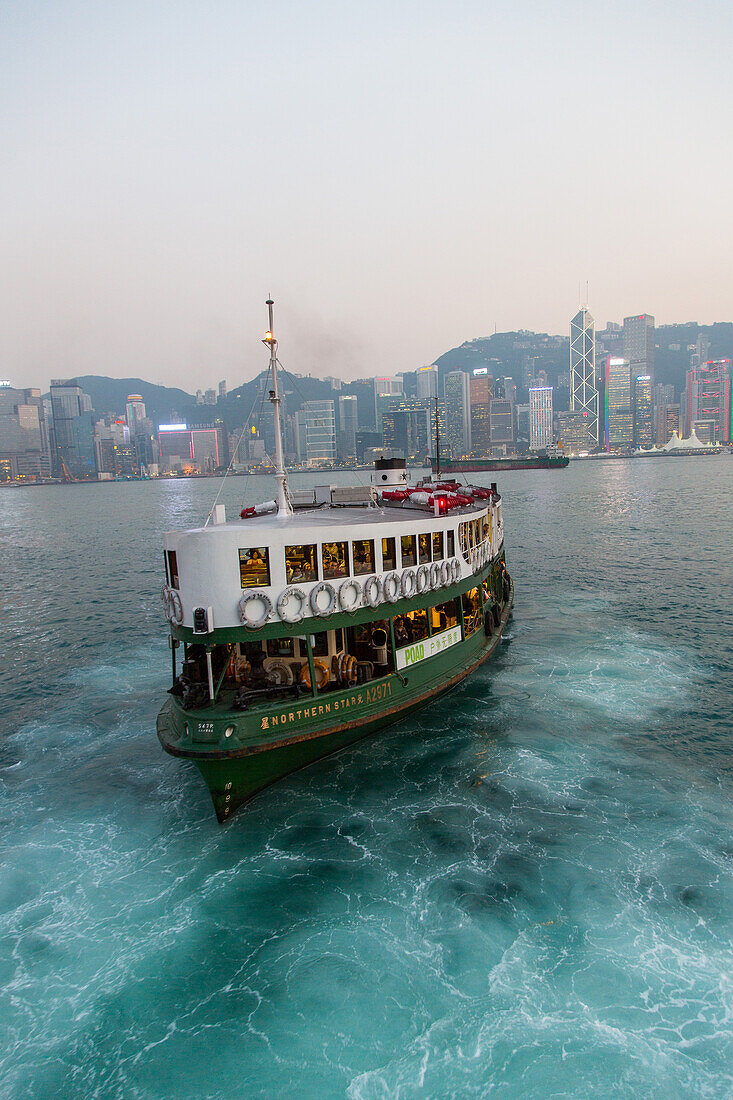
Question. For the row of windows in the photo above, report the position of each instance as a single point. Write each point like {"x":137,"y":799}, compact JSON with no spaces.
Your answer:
{"x":472,"y":533}
{"x":344,"y":559}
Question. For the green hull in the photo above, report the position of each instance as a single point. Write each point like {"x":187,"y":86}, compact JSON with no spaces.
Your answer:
{"x":239,"y":753}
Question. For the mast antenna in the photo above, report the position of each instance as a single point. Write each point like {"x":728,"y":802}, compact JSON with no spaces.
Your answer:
{"x":284,"y":507}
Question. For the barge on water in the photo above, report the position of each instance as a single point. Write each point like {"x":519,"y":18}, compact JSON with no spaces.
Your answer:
{"x":322,"y":617}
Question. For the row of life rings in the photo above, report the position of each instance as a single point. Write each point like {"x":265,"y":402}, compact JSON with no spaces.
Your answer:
{"x":255,"y":608}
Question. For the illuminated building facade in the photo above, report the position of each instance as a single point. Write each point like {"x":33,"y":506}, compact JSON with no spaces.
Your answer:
{"x":709,"y":398}
{"x":619,"y":418}
{"x":540,"y":417}
{"x":316,"y":432}
{"x":189,"y":450}
{"x":24,"y":443}
{"x":480,"y":392}
{"x":427,"y":383}
{"x":583,"y":388}
{"x":642,"y":410}
{"x":457,"y":414}
{"x":572,"y":432}
{"x":502,"y":422}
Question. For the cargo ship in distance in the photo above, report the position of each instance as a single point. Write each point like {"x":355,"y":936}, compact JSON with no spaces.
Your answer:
{"x":494,"y":465}
{"x":321,"y":617}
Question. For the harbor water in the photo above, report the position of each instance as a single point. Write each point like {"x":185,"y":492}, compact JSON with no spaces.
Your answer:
{"x":525,"y":890}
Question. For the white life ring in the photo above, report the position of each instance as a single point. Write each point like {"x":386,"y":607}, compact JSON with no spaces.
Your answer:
{"x":288,"y":594}
{"x":435,"y":576}
{"x":445,"y":573}
{"x":392,"y":587}
{"x":345,"y":603}
{"x":279,"y":673}
{"x":409,"y":583}
{"x":253,"y":622}
{"x":175,"y":613}
{"x":423,"y":579}
{"x":455,"y":571}
{"x":372,"y":591}
{"x":323,"y":586}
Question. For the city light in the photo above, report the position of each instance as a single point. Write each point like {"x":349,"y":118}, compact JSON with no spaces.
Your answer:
{"x":172,"y":428}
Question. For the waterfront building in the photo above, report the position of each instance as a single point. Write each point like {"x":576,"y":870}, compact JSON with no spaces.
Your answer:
{"x":480,"y":393}
{"x":708,"y":398}
{"x":406,"y":429}
{"x":348,"y":427}
{"x":619,"y":419}
{"x":642,"y":410}
{"x":583,"y":388}
{"x":572,"y":432}
{"x":73,"y":430}
{"x":427,"y":383}
{"x":191,"y":450}
{"x":135,"y":414}
{"x":316,"y":432}
{"x":24,"y":443}
{"x":501,"y":419}
{"x":540,"y":417}
{"x":639,"y":334}
{"x":384,"y":388}
{"x":457,"y":413}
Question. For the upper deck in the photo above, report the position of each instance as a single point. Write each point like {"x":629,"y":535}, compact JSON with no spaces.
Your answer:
{"x":214,"y":567}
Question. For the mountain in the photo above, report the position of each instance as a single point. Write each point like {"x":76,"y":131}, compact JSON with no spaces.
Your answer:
{"x":109,"y":396}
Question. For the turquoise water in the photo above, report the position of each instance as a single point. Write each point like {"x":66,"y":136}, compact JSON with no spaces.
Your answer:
{"x":524,"y":891}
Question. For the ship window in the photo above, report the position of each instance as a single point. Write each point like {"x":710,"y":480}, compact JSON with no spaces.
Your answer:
{"x":450,"y":539}
{"x":437,"y":545}
{"x":363,"y":552}
{"x":408,"y":550}
{"x":463,"y":537}
{"x":319,"y":643}
{"x":338,"y":638}
{"x":444,"y":616}
{"x":423,"y":547}
{"x":301,"y":563}
{"x":389,"y":557}
{"x":484,"y":528}
{"x":335,"y":560}
{"x":172,"y":568}
{"x":471,"y":611}
{"x":254,"y":567}
{"x":280,"y":647}
{"x":409,"y":628}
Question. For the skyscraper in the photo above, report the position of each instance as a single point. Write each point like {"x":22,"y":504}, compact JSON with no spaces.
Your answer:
{"x":619,"y":418}
{"x":73,"y":429}
{"x":540,"y":417}
{"x":501,"y":418}
{"x":317,"y":432}
{"x":457,"y":413}
{"x":708,"y":393}
{"x":639,"y":344}
{"x":384,"y":388}
{"x":427,"y":383}
{"x":348,"y":424}
{"x":480,"y":392}
{"x":134,"y":413}
{"x":642,"y":410}
{"x":24,"y":445}
{"x":583,"y":388}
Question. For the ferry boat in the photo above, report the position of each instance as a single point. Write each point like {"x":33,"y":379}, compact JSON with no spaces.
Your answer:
{"x":315,"y":619}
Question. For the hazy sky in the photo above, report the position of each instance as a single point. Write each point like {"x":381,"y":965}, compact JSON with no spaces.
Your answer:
{"x":401,"y":176}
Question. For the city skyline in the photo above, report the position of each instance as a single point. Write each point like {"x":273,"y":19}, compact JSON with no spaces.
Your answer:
{"x":384,"y":189}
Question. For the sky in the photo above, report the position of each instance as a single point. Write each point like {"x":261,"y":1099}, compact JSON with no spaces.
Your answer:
{"x":400,"y":176}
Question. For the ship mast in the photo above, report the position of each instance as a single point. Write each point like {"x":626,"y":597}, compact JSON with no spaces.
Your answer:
{"x":284,"y":507}
{"x":437,"y":439}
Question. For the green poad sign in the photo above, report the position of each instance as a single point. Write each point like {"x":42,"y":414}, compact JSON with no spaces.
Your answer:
{"x":428,"y":647}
